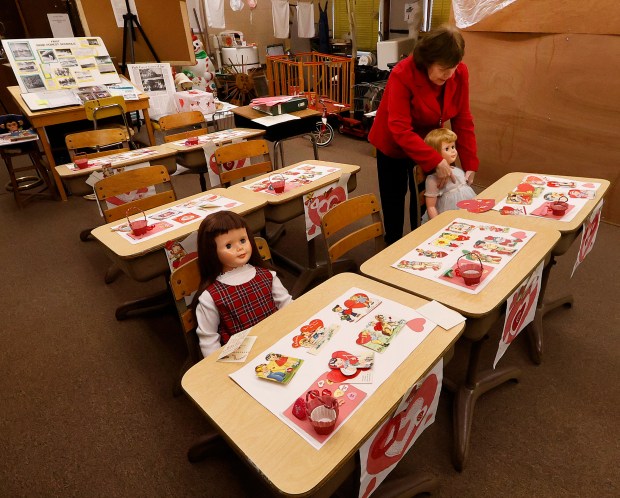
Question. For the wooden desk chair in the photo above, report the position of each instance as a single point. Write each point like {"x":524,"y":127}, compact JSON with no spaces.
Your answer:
{"x":184,"y":282}
{"x":106,"y":108}
{"x":130,"y":181}
{"x":184,"y":125}
{"x":254,"y":150}
{"x":344,"y":215}
{"x":96,"y":143}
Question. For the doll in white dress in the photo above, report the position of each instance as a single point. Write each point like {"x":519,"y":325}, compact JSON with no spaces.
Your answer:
{"x":439,"y":200}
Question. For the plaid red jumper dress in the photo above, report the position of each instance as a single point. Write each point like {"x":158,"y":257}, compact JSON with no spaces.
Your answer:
{"x":244,"y":305}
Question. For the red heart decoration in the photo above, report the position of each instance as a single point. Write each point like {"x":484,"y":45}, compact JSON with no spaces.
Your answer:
{"x":588,"y":185}
{"x":299,"y":409}
{"x":525,"y":187}
{"x":417,"y":324}
{"x":535,"y":180}
{"x":519,"y":235}
{"x":312,"y":326}
{"x":476,"y":205}
{"x":230,"y":204}
{"x":350,"y":303}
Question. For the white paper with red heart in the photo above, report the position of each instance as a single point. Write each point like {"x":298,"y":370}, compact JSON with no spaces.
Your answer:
{"x":214,"y":176}
{"x":520,"y":310}
{"x":548,"y":189}
{"x":317,"y":203}
{"x":182,"y":214}
{"x":391,"y":442}
{"x":277,"y":398}
{"x":303,"y":174}
{"x":481,"y":244}
{"x":217,"y":137}
{"x":588,"y":235}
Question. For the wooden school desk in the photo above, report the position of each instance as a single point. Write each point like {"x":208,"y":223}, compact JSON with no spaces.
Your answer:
{"x":147,"y":260}
{"x":482,"y":310}
{"x":277,"y":133}
{"x":75,"y":179}
{"x":289,"y":205}
{"x":257,"y":435}
{"x":569,"y":231}
{"x":60,"y":115}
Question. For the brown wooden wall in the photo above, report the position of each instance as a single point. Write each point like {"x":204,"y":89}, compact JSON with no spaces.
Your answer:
{"x":547,"y":103}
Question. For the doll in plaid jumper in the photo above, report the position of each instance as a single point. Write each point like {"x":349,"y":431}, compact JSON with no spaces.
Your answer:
{"x":236,"y":289}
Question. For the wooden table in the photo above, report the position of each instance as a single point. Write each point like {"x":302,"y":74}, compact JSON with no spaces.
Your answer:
{"x":482,"y":310}
{"x":147,"y":260}
{"x":60,"y":115}
{"x":257,"y":435}
{"x":245,"y":115}
{"x":569,"y":231}
{"x":74,"y":179}
{"x":287,"y":206}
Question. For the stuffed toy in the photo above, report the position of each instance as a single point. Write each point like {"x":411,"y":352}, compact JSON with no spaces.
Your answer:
{"x":10,"y":123}
{"x":202,"y":75}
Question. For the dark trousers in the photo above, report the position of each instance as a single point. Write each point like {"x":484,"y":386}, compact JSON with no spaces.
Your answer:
{"x":395,"y":178}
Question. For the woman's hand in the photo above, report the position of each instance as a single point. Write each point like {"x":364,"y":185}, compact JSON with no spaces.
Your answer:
{"x":443,"y":172}
{"x":469,"y":177}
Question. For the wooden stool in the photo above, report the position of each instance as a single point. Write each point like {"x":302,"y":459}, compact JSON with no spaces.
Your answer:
{"x":20,"y":185}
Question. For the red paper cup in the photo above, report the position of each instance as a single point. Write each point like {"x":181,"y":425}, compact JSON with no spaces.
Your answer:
{"x":558,"y":208}
{"x":81,"y":162}
{"x":470,"y":272}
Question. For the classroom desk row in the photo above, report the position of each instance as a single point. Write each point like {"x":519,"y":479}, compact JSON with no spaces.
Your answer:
{"x":319,"y":474}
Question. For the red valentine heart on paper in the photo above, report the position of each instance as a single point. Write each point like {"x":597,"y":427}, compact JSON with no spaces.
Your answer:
{"x":519,"y":235}
{"x":312,"y":326}
{"x":535,"y":180}
{"x":476,"y":205}
{"x":299,"y":409}
{"x":588,"y":185}
{"x":417,"y":324}
{"x":525,"y":187}
{"x":352,"y":303}
{"x":230,"y":204}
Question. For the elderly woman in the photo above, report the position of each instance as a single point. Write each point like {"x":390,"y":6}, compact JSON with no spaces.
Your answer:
{"x":424,"y":91}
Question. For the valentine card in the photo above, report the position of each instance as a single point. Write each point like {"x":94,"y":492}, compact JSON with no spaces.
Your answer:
{"x":356,"y":307}
{"x":162,"y":215}
{"x":354,"y":367}
{"x":460,"y":227}
{"x":349,"y":399}
{"x":278,"y":368}
{"x":523,"y":198}
{"x":380,"y":332}
{"x":405,"y":264}
{"x":314,"y":335}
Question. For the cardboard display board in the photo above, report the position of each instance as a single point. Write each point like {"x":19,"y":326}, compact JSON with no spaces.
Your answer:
{"x":165,"y":23}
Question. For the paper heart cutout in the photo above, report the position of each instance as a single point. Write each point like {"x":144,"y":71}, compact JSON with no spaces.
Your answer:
{"x":534,"y":180}
{"x":352,"y":396}
{"x":182,"y":103}
{"x":320,"y":383}
{"x":329,"y":381}
{"x":312,"y":326}
{"x":340,"y":401}
{"x":519,"y":235}
{"x":338,"y":393}
{"x":588,"y":185}
{"x":525,"y":187}
{"x":230,"y":204}
{"x":476,"y":205}
{"x":417,"y":324}
{"x":299,"y":409}
{"x":363,"y":338}
{"x":352,"y":303}
{"x":343,"y":387}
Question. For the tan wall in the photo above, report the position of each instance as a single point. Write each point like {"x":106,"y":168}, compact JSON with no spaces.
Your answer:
{"x":547,"y":103}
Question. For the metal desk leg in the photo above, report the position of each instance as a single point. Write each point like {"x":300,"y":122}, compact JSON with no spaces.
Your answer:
{"x":476,"y":384}
{"x":535,"y":329}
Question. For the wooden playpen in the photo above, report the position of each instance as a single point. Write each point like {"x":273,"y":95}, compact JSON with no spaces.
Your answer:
{"x":324,"y":75}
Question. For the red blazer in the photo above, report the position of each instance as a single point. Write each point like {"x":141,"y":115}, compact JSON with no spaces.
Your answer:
{"x":409,"y":110}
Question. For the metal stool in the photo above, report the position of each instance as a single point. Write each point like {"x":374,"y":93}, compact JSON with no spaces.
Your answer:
{"x":19,"y":185}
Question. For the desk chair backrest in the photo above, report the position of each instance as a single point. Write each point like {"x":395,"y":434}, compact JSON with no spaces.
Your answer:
{"x":420,"y":201}
{"x":184,"y":281}
{"x":106,"y":108}
{"x":129,"y":181}
{"x":103,"y":142}
{"x":257,"y":151}
{"x":223,"y":120}
{"x":194,"y":120}
{"x":346,"y":214}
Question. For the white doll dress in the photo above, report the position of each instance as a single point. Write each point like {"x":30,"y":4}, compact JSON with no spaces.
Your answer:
{"x":451,"y":194}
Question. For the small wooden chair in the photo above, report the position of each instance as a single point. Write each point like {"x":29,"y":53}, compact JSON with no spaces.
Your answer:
{"x":346,"y":214}
{"x":128,"y":181}
{"x":106,"y":108}
{"x":184,"y":281}
{"x":185,"y":125}
{"x":97,"y":143}
{"x":254,"y":150}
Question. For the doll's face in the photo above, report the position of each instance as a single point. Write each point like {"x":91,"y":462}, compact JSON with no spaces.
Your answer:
{"x":233,"y":249}
{"x":12,"y":125}
{"x":448,"y":151}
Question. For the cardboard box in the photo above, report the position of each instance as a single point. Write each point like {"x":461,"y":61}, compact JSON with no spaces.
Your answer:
{"x":292,"y":105}
{"x":195,"y":100}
